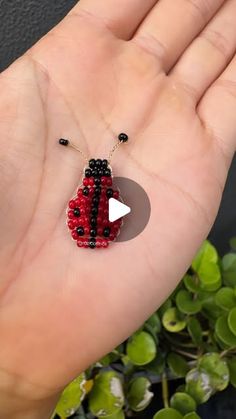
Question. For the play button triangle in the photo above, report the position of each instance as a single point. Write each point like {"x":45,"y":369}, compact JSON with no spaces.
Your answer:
{"x":117,"y":209}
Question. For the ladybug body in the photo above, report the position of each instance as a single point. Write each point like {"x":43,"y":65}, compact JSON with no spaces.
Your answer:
{"x":87,"y":213}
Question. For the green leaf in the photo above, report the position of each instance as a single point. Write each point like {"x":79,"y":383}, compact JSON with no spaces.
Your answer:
{"x":106,"y":397}
{"x":207,"y":268}
{"x":157,"y":366}
{"x":232,"y":370}
{"x":229,"y":269}
{"x":154,"y":322}
{"x":173,"y":321}
{"x":71,"y":397}
{"x":191,"y":415}
{"x":186,"y":304}
{"x":216,"y":368}
{"x":183,"y":402}
{"x":225,"y":298}
{"x":141,"y":348}
{"x":168,"y":414}
{"x":198,"y":385}
{"x":139,"y":396}
{"x":224,"y":333}
{"x":191,"y":283}
{"x":177,"y":364}
{"x":210,"y":309}
{"x":195,"y":330}
{"x":232,"y":321}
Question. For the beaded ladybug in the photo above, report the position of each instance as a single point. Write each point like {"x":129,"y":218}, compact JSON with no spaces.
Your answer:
{"x":88,"y":211}
{"x":87,"y":214}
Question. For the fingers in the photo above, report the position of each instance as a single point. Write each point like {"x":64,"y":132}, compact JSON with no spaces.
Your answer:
{"x":209,"y":54}
{"x":121,"y":16}
{"x":172,"y":25}
{"x":217,"y":109}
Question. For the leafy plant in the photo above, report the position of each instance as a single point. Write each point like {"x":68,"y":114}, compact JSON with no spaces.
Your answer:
{"x":192,"y":336}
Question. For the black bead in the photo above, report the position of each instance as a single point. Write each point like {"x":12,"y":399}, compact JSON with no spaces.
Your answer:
{"x":92,"y":242}
{"x":85,"y":191}
{"x":95,"y":172}
{"x":109,"y":193}
{"x":76,"y":212}
{"x":95,"y":201}
{"x":93,"y":222}
{"x":97,"y":181}
{"x":94,"y":211}
{"x":62,"y":141}
{"x":92,"y":163}
{"x":88,"y":172}
{"x":123,"y":137}
{"x":104,"y":163}
{"x":97,"y":190}
{"x":80,"y":231}
{"x":107,"y":172}
{"x":106,"y":232}
{"x":93,"y":232}
{"x":98,"y":163}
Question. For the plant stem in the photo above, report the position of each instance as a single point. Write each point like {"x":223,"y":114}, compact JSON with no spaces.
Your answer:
{"x":165,"y":391}
{"x":189,"y":355}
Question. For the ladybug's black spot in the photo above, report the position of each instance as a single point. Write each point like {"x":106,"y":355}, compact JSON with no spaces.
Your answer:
{"x":109,"y":193}
{"x":76,"y":212}
{"x":94,"y":211}
{"x":85,"y":191}
{"x":97,"y":181}
{"x":106,"y":232}
{"x":80,"y":231}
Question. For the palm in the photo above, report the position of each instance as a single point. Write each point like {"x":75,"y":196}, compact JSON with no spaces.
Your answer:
{"x":63,"y":307}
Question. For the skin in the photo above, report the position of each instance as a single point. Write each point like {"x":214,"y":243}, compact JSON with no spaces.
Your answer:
{"x":105,"y":70}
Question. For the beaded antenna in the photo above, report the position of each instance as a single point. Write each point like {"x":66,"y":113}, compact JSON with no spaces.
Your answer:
{"x":88,"y":211}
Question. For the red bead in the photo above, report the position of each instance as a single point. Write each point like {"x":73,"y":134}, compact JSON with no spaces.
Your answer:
{"x":72,"y":204}
{"x":112,"y":236}
{"x":105,"y":213}
{"x":99,"y":243}
{"x":109,"y":181}
{"x":82,"y":220}
{"x":100,"y":231}
{"x":91,"y":181}
{"x":74,"y":235}
{"x":80,"y":192}
{"x":86,"y":181}
{"x":71,"y":214}
{"x":80,"y":243}
{"x":103,"y":180}
{"x":86,"y":230}
{"x":99,"y":219}
{"x":71,"y":224}
{"x":104,"y":243}
{"x":82,"y":211}
{"x":116,"y":194}
{"x":91,"y":190}
{"x":102,"y":201}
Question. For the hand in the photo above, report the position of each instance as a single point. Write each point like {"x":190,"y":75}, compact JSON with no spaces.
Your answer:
{"x":140,"y":67}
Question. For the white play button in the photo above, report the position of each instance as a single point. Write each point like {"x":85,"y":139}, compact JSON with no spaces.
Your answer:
{"x":117,"y":209}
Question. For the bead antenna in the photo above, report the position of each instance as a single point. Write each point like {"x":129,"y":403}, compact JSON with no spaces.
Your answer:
{"x":122,"y":138}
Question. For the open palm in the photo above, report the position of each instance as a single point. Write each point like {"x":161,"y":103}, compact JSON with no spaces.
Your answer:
{"x":140,"y":68}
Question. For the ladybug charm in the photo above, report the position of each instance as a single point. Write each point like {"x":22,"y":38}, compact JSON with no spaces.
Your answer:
{"x":87,"y":213}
